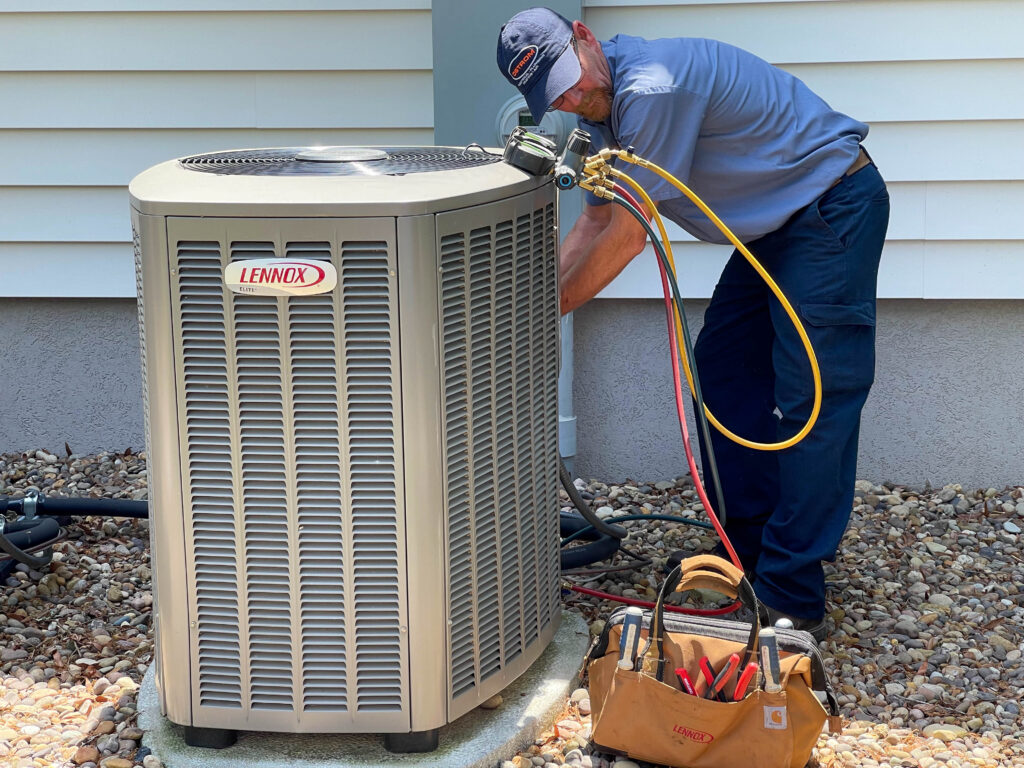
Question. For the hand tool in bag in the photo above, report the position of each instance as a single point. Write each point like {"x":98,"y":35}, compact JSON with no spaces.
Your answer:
{"x":715,"y":691}
{"x":768,"y":648}
{"x":684,"y":681}
{"x":745,"y":677}
{"x":629,"y":641}
{"x":709,"y":675}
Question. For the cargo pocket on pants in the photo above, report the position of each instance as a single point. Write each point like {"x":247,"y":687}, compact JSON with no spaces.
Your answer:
{"x":843,"y":337}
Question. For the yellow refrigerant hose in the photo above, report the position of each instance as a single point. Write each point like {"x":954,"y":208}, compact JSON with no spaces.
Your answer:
{"x":596,"y":169}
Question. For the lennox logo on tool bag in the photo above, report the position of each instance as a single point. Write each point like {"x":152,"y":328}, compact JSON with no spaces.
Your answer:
{"x":693,"y":734}
{"x":519,"y":64}
{"x":280,"y":277}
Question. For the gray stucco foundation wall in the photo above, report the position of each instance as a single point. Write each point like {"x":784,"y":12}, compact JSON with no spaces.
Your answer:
{"x":947,"y":404}
{"x":70,"y":373}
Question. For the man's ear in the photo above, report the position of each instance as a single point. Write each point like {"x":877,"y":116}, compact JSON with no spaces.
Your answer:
{"x":582,"y":32}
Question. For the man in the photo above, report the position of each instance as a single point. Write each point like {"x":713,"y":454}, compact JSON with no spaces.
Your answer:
{"x":788,"y":175}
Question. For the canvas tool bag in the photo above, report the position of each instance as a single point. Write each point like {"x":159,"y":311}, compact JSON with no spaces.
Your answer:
{"x":643,"y":714}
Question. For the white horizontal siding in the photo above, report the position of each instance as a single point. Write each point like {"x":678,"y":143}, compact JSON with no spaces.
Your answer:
{"x":345,"y":40}
{"x":92,"y":6}
{"x":920,"y":211}
{"x":617,"y":3}
{"x":64,"y":214}
{"x":103,"y":158}
{"x":915,"y":91}
{"x":845,"y":30}
{"x":69,"y":270}
{"x":930,"y":210}
{"x":949,"y":151}
{"x":941,"y":85}
{"x":93,"y":93}
{"x":217,"y":99}
{"x":982,"y":210}
{"x":955,"y":269}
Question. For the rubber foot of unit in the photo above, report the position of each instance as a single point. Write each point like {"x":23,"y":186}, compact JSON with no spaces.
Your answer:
{"x":417,"y":741}
{"x":211,"y":738}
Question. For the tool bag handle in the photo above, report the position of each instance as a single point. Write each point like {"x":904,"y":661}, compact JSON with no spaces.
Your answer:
{"x":702,"y":572}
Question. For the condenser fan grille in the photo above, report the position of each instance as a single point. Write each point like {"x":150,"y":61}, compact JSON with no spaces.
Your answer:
{"x":338,"y":161}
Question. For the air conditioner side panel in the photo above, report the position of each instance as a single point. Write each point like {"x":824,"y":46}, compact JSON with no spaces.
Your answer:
{"x":499,"y":320}
{"x":292,"y":465}
{"x":167,"y":535}
{"x":425,"y":512}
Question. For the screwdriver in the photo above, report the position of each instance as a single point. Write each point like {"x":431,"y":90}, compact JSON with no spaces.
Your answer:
{"x":769,"y":652}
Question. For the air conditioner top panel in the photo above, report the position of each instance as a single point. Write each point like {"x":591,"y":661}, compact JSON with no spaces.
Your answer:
{"x":328,"y":181}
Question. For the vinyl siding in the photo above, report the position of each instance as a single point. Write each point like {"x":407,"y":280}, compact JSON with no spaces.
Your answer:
{"x":941,"y":85}
{"x":95,"y":92}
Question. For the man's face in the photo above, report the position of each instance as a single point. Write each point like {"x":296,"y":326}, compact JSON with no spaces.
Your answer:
{"x":591,"y":96}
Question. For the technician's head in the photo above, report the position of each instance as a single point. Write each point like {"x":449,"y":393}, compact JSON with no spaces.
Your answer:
{"x":555,"y":64}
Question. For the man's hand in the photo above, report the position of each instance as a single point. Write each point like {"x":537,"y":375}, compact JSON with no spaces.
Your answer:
{"x":599,"y":246}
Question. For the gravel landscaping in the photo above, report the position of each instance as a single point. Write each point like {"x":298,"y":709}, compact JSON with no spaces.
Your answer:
{"x":926,"y":618}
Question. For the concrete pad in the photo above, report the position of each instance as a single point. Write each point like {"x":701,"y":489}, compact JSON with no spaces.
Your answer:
{"x":479,"y":739}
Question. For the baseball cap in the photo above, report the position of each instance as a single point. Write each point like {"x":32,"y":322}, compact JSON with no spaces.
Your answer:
{"x":535,"y":55}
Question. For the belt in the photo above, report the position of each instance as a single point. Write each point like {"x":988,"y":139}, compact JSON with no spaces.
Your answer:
{"x":862,"y":159}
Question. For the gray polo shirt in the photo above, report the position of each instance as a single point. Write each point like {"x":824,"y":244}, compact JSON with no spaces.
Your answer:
{"x":752,"y":141}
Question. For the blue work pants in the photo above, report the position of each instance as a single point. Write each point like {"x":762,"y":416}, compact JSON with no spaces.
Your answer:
{"x":787,"y":510}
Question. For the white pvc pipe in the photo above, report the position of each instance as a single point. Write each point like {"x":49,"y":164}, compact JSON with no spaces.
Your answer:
{"x":566,"y":416}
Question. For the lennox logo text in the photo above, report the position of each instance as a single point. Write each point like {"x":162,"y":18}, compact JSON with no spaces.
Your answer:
{"x":280,"y":277}
{"x":693,"y":734}
{"x":286,"y":275}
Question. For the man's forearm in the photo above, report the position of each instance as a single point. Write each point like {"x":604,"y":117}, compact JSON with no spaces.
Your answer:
{"x":587,"y":227}
{"x":596,"y":257}
{"x":590,"y":272}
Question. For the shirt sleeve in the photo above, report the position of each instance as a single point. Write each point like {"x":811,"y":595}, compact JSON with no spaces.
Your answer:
{"x":662,"y":125}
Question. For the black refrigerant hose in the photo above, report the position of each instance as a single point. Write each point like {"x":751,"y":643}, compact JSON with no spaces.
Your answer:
{"x":16,"y":539}
{"x":38,"y":530}
{"x":57,"y":506}
{"x":602,"y":539}
{"x":615,"y":531}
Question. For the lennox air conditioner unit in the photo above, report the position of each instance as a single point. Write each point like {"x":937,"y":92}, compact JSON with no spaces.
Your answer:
{"x":350,"y":359}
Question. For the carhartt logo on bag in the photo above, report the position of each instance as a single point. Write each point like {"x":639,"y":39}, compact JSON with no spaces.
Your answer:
{"x":775,"y":718}
{"x":693,"y":735}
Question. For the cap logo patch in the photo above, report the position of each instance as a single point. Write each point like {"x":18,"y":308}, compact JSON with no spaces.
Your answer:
{"x":521,"y":63}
